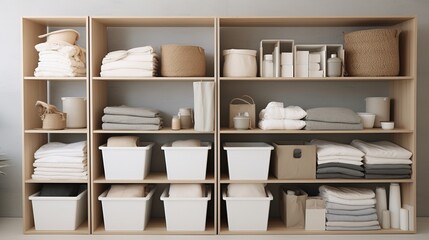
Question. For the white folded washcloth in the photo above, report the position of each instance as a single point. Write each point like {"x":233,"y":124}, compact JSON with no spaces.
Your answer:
{"x":39,"y":177}
{"x":326,"y":148}
{"x":77,"y":149}
{"x":58,"y":74}
{"x":290,"y":112}
{"x":281,"y":124}
{"x":129,"y":190}
{"x":374,"y":160}
{"x":382,"y":149}
{"x":347,"y":193}
{"x":60,"y":170}
{"x":352,"y":162}
{"x":61,"y":159}
{"x":246,"y":190}
{"x":121,"y":64}
{"x":41,"y":173}
{"x":128,"y":72}
{"x":61,"y":165}
{"x":351,"y":158}
{"x":186,"y":190}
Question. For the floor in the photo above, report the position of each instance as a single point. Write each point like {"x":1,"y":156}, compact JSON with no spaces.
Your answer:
{"x":11,"y":229}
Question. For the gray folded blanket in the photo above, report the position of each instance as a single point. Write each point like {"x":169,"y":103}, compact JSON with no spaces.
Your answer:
{"x":384,"y":176}
{"x":363,"y":228}
{"x":387,"y":166}
{"x":332,"y":205}
{"x":118,"y":126}
{"x":340,"y":170}
{"x":349,"y":218}
{"x":333,"y":115}
{"x":393,"y":171}
{"x":318,"y":125}
{"x":335,"y":175}
{"x":107,"y":118}
{"x":359,"y":212}
{"x":342,"y":165}
{"x":132,"y":111}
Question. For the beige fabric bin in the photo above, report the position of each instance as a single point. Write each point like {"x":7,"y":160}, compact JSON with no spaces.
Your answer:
{"x":292,"y":208}
{"x":182,"y":61}
{"x":294,"y":160}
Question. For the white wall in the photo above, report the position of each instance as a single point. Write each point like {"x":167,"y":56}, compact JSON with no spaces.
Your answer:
{"x":10,"y":61}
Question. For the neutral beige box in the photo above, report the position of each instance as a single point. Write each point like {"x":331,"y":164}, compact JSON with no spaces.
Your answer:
{"x":292,"y":207}
{"x":315,"y":212}
{"x":294,"y":160}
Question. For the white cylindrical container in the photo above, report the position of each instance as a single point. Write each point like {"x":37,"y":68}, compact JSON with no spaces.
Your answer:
{"x":334,"y":66}
{"x":186,"y":119}
{"x":380,"y":106}
{"x":381,"y":204}
{"x":268,"y":66}
{"x":239,"y":63}
{"x":75,"y":107}
{"x":403,"y":219}
{"x":385,"y":220}
{"x":394,"y":204}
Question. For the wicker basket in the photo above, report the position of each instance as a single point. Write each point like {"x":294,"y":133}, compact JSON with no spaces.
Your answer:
{"x":372,"y":52}
{"x":54,"y":121}
{"x":182,"y":61}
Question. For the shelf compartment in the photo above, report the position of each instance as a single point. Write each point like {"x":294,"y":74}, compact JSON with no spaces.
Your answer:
{"x":166,"y":130}
{"x":155,"y":79}
{"x":272,"y":179}
{"x":156,"y":226}
{"x":84,"y":181}
{"x":156,"y":177}
{"x":364,"y":131}
{"x":55,"y":78}
{"x":81,"y":230}
{"x":70,"y":130}
{"x":400,"y":78}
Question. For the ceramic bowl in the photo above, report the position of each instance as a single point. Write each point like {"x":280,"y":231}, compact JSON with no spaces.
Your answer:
{"x":63,"y":35}
{"x":368,"y":119}
{"x":387,"y":125}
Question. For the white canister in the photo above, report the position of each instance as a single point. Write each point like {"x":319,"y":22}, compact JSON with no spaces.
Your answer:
{"x":75,"y":107}
{"x":380,"y":106}
{"x":239,"y":63}
{"x":186,"y":118}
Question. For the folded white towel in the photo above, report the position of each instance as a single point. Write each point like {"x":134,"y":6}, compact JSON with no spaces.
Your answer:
{"x":129,"y":190}
{"x":347,"y":193}
{"x":334,"y":199}
{"x":351,"y":158}
{"x":138,"y":57}
{"x":38,"y":177}
{"x":275,"y":105}
{"x":186,"y":190}
{"x":61,"y":159}
{"x":128,"y":72}
{"x":246,"y":190}
{"x":142,"y":50}
{"x":121,"y":64}
{"x":60,"y":170}
{"x":326,"y":148}
{"x":281,"y":124}
{"x":352,"y":224}
{"x":79,"y":174}
{"x":77,"y":149}
{"x":58,"y":74}
{"x":125,"y":54}
{"x":352,"y":162}
{"x":61,"y":165}
{"x":290,"y":112}
{"x":63,"y":55}
{"x":57,"y":65}
{"x":374,"y":160}
{"x":382,"y":149}
{"x":53,"y":58}
{"x":62,"y":47}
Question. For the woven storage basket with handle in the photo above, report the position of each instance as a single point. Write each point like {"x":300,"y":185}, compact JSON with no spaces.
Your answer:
{"x":182,"y":61}
{"x":373,"y":52}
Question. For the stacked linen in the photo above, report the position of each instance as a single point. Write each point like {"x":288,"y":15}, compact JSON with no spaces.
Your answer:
{"x":57,"y":160}
{"x":131,"y":118}
{"x":136,"y":62}
{"x":336,"y":160}
{"x":60,"y":59}
{"x":332,"y":118}
{"x":276,"y":116}
{"x":349,"y":208}
{"x":385,"y":159}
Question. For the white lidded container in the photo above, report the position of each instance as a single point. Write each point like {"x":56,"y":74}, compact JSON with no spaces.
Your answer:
{"x":126,"y":213}
{"x":248,"y":160}
{"x":75,"y":107}
{"x":59,"y":213}
{"x":185,"y":214}
{"x":239,"y":63}
{"x":186,"y":163}
{"x":248,"y":213}
{"x":126,"y":163}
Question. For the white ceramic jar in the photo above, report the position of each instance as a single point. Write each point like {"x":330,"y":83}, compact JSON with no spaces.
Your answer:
{"x":75,"y":107}
{"x":239,"y":63}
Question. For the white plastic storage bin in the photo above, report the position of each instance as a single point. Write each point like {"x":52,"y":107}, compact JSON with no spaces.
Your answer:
{"x":126,"y":163}
{"x":59,"y":213}
{"x":248,"y":213}
{"x":186,"y":163}
{"x":248,"y":160}
{"x":185,"y":214}
{"x":127,"y":214}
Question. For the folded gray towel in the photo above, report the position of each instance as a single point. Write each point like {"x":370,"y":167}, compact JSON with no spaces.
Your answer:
{"x":107,"y":118}
{"x":340,"y":170}
{"x":132,"y":111}
{"x":317,"y":125}
{"x":332,"y":205}
{"x":350,"y":218}
{"x":118,"y":126}
{"x":359,"y":212}
{"x":333,"y":115}
{"x":363,"y":228}
{"x":384,"y":176}
{"x":387,"y":166}
{"x":335,"y":175}
{"x":397,"y":171}
{"x":342,"y":165}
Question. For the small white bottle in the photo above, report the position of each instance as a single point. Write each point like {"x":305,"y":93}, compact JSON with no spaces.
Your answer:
{"x":268,"y":66}
{"x":334,"y":66}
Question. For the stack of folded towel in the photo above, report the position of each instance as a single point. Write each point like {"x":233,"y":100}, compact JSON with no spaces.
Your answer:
{"x":57,"y":160}
{"x":131,"y":118}
{"x":332,"y":118}
{"x":276,"y":116}
{"x":60,"y":59}
{"x":349,"y":208}
{"x":336,"y":160}
{"x":136,"y":62}
{"x":385,"y":159}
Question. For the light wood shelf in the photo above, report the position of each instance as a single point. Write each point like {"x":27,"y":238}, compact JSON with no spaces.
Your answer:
{"x":165,"y":130}
{"x":69,"y":130}
{"x":160,"y":178}
{"x":322,"y":79}
{"x":155,"y":79}
{"x":364,"y":131}
{"x":55,"y":78}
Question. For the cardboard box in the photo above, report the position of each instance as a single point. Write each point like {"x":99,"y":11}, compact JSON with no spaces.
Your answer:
{"x":315,"y":212}
{"x":292,"y":208}
{"x":293,"y":160}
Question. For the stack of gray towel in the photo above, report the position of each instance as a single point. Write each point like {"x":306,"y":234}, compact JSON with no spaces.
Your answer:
{"x":385,"y":160}
{"x":349,"y":208}
{"x":131,"y":118}
{"x":332,"y":118}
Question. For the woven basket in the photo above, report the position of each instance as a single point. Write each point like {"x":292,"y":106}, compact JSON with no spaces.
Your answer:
{"x":54,"y":121}
{"x":182,"y":61}
{"x":372,"y":52}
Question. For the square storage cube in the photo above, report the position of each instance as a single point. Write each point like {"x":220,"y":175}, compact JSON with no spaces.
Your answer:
{"x":293,"y":160}
{"x":59,"y":213}
{"x":185,"y":214}
{"x":186,"y":163}
{"x":248,"y":160}
{"x":126,"y":163}
{"x":246,"y":213}
{"x":126,"y":214}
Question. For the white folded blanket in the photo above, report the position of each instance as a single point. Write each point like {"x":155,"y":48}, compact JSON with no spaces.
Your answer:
{"x":123,"y":54}
{"x":77,"y":149}
{"x":41,"y":173}
{"x":330,"y":205}
{"x":58,"y":74}
{"x":275,"y":105}
{"x":59,"y":66}
{"x":326,"y":148}
{"x":121,"y":64}
{"x":290,"y":112}
{"x":351,"y":158}
{"x":128,"y":72}
{"x":61,"y":165}
{"x":347,"y":193}
{"x":352,"y":224}
{"x":49,"y":54}
{"x":62,"y":47}
{"x":60,"y":170}
{"x":334,"y":199}
{"x":129,"y":190}
{"x":382,"y":149}
{"x":374,"y":160}
{"x":57,"y":58}
{"x":246,"y":190}
{"x":186,"y":190}
{"x":61,"y":159}
{"x":39,"y":177}
{"x":281,"y":124}
{"x":352,"y":162}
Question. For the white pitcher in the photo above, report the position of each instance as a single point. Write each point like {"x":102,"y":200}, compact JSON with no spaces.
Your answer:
{"x":75,"y":107}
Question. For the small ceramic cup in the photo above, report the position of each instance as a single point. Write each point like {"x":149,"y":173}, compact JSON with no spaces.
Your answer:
{"x":387,"y":125}
{"x":368,"y":119}
{"x":242,"y":121}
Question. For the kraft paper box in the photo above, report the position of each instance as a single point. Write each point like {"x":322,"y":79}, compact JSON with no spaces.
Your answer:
{"x":315,"y":212}
{"x":294,"y":160}
{"x":292,"y":208}
{"x":243,"y":104}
